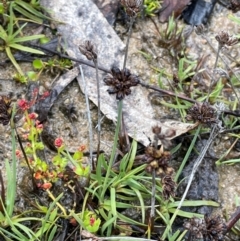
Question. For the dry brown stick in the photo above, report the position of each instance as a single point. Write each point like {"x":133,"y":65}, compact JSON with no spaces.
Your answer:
{"x":167,"y":92}
{"x":81,"y":61}
{"x":234,"y":218}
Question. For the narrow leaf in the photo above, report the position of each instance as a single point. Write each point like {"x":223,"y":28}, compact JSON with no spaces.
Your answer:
{"x":26,"y":49}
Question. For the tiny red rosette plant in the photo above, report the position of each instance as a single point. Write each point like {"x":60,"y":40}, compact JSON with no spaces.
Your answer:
{"x":91,"y":222}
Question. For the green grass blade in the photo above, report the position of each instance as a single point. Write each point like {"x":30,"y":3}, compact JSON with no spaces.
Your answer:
{"x":52,"y":233}
{"x":14,"y":62}
{"x":3,"y":34}
{"x":78,"y":219}
{"x":9,"y":234}
{"x":185,"y":214}
{"x":108,"y":224}
{"x":124,"y":163}
{"x":113,"y":201}
{"x":26,"y":49}
{"x":182,"y":235}
{"x":95,"y":191}
{"x":189,"y":151}
{"x":27,"y":14}
{"x":175,"y":235}
{"x":47,"y":216}
{"x":119,"y":204}
{"x":194,"y":203}
{"x":105,"y":185}
{"x":28,"y":38}
{"x":129,"y":220}
{"x":11,"y":17}
{"x":11,"y":172}
{"x":141,"y":203}
{"x":102,"y":213}
{"x":99,"y":177}
{"x":32,"y":10}
{"x":26,"y":230}
{"x":132,"y":157}
{"x":13,"y":35}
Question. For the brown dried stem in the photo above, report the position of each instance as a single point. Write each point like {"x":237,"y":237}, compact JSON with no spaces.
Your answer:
{"x":234,"y":218}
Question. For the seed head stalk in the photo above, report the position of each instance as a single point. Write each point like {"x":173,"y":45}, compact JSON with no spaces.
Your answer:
{"x":215,"y":66}
{"x":132,"y":19}
{"x":90,"y":51}
{"x":89,"y":116}
{"x":99,"y":109}
{"x":153,"y":194}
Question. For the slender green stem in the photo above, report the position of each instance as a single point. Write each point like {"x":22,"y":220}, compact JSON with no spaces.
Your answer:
{"x":187,"y":154}
{"x":120,"y":104}
{"x":99,"y":109}
{"x":152,"y":211}
{"x":128,"y":40}
{"x":89,"y":116}
{"x":11,"y":189}
{"x":215,"y":66}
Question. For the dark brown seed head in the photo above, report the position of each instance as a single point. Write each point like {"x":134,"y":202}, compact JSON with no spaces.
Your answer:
{"x":234,"y":5}
{"x":168,"y":187}
{"x":197,"y":227}
{"x":215,"y":228}
{"x":202,"y":112}
{"x":133,"y":7}
{"x":224,"y":38}
{"x":88,"y":50}
{"x":120,"y":82}
{"x":158,"y":159}
{"x":209,"y":228}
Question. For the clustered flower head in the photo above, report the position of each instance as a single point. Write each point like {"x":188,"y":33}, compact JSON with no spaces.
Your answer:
{"x":88,"y":50}
{"x":168,"y":186}
{"x":224,"y":38}
{"x":5,"y":110}
{"x":133,"y":7}
{"x":202,"y":112}
{"x":209,"y":228}
{"x":120,"y":81}
{"x":158,"y":159}
{"x":234,"y":5}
